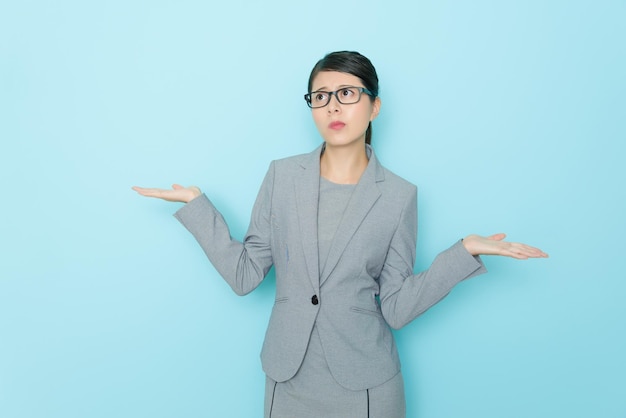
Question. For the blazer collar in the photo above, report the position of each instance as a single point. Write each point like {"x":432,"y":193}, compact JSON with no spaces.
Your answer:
{"x":363,"y":198}
{"x":311,"y":163}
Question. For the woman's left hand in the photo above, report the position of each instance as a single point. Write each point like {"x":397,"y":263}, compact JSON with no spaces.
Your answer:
{"x":495,"y":245}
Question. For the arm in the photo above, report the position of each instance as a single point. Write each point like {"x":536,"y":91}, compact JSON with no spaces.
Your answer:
{"x":404,"y":295}
{"x":242,"y":264}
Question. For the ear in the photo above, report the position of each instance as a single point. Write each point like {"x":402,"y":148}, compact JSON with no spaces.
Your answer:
{"x":375,"y":108}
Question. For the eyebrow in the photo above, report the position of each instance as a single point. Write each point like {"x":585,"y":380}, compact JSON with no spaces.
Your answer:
{"x":343,"y":86}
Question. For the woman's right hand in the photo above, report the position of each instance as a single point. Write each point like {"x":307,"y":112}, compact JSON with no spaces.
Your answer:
{"x":177,"y":193}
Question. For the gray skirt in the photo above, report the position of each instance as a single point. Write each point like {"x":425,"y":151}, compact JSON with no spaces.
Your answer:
{"x":314,"y":393}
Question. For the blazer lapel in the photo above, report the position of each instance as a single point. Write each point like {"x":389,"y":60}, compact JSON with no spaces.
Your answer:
{"x":307,"y":189}
{"x":363,"y":198}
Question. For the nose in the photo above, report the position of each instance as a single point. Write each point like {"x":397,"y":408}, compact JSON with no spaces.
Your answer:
{"x":333,"y":104}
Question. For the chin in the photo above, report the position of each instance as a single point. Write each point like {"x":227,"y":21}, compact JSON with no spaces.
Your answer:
{"x":343,"y":140}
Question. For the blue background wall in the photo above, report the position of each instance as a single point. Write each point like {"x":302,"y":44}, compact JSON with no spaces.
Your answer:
{"x":508,"y":115}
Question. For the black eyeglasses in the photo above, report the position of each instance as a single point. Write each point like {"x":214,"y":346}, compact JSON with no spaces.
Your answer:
{"x":345,"y":95}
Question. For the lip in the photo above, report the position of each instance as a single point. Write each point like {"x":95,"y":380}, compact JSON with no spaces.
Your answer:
{"x":336,"y":125}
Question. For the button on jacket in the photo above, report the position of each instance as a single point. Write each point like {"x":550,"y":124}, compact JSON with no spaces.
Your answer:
{"x":367,"y":285}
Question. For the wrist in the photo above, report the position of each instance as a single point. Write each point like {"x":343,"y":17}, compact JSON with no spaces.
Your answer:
{"x":194,"y":192}
{"x":468,"y":244}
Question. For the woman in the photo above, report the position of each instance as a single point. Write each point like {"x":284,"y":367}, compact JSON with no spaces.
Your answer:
{"x":340,"y":230}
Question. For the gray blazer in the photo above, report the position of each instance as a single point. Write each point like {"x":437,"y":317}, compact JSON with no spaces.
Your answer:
{"x":367,"y":285}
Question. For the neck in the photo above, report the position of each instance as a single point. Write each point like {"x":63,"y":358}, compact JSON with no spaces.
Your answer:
{"x":344,"y":165}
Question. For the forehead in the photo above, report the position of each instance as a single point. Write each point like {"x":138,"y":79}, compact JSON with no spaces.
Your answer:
{"x":332,"y":80}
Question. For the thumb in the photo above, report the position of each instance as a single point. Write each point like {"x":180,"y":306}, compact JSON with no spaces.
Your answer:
{"x":497,"y":237}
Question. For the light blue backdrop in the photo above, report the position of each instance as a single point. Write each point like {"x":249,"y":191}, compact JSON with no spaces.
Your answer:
{"x":508,"y":115}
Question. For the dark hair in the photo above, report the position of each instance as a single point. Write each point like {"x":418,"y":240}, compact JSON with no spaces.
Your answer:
{"x":350,"y":62}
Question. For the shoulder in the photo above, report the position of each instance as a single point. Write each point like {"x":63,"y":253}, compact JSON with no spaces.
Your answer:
{"x":394,"y":182}
{"x":385,"y":177}
{"x":399,"y":193}
{"x":397,"y":181}
{"x":294,"y":160}
{"x":298,"y":162}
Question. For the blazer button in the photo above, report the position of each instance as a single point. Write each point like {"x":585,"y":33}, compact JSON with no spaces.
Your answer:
{"x":315,"y":300}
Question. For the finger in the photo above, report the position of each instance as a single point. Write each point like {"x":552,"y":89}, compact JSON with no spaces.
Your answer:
{"x":537,"y":253}
{"x":141,"y":190}
{"x":149,"y":192}
{"x":516,"y":252}
{"x":497,"y":237}
{"x":524,"y":251}
{"x":531,"y":251}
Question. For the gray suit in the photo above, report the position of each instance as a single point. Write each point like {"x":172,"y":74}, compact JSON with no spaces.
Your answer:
{"x":367,"y":284}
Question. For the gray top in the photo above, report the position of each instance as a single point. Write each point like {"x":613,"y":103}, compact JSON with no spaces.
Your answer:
{"x":333,"y":202}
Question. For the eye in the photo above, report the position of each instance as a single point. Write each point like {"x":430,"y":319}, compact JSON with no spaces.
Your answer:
{"x":320,"y":96}
{"x":347,"y":92}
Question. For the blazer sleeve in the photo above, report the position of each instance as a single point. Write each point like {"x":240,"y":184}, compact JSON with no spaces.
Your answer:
{"x":404,"y":295}
{"x":242,"y":264}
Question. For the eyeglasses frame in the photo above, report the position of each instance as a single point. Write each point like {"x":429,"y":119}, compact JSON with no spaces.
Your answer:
{"x":361,"y":90}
